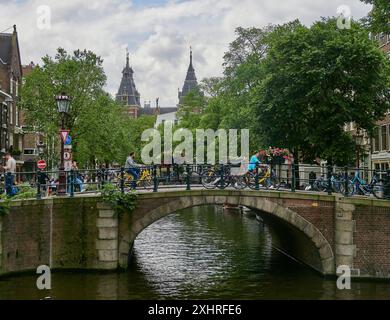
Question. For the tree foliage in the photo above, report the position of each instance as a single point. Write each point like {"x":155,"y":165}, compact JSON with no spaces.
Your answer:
{"x":296,"y":87}
{"x":378,"y":20}
{"x":317,"y":80}
{"x":101,"y":132}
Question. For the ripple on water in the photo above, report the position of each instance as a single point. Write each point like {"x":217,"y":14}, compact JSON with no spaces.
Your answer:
{"x":200,"y":253}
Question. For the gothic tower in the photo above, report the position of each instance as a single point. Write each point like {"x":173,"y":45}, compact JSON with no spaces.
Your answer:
{"x":190,"y":82}
{"x":127,"y":93}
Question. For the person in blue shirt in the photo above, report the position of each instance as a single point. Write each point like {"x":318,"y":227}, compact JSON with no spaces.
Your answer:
{"x":254,"y":162}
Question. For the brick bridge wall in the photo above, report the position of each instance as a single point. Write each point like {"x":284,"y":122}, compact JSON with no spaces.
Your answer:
{"x":83,"y":233}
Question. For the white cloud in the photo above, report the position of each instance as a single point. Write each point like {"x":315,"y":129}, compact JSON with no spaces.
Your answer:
{"x":158,"y":37}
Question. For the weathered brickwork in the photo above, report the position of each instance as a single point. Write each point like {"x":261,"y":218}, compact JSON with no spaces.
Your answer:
{"x":372,"y":240}
{"x":84,"y":233}
{"x":319,"y":213}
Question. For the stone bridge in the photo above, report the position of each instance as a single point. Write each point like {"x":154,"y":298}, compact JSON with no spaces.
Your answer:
{"x":321,"y":231}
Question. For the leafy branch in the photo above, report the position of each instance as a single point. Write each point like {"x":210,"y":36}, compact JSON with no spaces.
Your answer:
{"x":120,"y":202}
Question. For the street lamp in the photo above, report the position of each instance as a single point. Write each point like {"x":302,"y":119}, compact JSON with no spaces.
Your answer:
{"x":358,"y":137}
{"x":63,"y":106}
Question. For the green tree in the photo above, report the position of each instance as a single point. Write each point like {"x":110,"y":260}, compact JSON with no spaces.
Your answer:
{"x":316,"y":80}
{"x":103,"y":134}
{"x":135,"y":129}
{"x":100,"y":131}
{"x":378,"y":20}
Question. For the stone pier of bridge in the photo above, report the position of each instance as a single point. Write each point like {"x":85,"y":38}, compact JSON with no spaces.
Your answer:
{"x":323,"y":231}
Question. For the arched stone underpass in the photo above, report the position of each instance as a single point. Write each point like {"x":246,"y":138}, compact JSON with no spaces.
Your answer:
{"x":83,"y":232}
{"x":296,"y":236}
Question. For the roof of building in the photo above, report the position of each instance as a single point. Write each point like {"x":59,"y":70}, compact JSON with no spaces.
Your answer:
{"x":127,"y":88}
{"x":147,"y":110}
{"x":5,"y":48}
{"x":190,"y":82}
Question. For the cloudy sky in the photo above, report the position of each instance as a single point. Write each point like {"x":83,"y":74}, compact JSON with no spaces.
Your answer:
{"x":158,"y":33}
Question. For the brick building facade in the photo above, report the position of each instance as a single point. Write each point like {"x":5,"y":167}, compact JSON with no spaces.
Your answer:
{"x":380,"y":144}
{"x":10,"y":81}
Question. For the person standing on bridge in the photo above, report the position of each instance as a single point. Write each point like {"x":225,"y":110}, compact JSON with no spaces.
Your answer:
{"x":132,"y":168}
{"x":10,"y":169}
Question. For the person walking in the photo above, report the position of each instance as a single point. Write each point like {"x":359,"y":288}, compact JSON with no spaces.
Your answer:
{"x":78,"y":179}
{"x":10,"y":169}
{"x":43,"y":179}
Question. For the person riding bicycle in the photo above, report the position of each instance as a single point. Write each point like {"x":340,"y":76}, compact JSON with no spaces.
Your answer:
{"x":254,"y":162}
{"x":132,"y":168}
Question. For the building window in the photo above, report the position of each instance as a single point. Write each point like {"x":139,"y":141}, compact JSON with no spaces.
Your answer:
{"x":11,"y":111}
{"x":17,"y":116}
{"x":29,"y":151}
{"x":382,"y":39}
{"x":375,"y":140}
{"x":11,"y":86}
{"x":385,"y":140}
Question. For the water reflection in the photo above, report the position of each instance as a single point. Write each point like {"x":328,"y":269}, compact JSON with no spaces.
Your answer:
{"x":201,"y":253}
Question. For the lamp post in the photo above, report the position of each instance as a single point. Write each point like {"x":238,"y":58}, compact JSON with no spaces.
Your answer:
{"x":358,"y":137}
{"x":41,"y":148}
{"x":63,"y":105}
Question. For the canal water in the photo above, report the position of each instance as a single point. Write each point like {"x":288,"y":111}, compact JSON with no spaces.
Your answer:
{"x":201,"y":253}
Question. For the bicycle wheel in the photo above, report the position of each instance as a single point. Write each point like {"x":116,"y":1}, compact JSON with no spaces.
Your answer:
{"x":378,"y":190}
{"x":147,"y":182}
{"x":351,"y":188}
{"x":251,"y":180}
{"x":209,"y":179}
{"x":274,"y":183}
{"x":238,"y":182}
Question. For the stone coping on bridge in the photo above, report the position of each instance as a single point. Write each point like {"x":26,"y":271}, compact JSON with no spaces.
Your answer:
{"x":355,"y":200}
{"x":93,"y":237}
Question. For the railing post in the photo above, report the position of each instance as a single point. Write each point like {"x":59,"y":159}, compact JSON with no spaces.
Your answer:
{"x":329,"y":184}
{"x":346,"y":182}
{"x":72,"y":183}
{"x":386,"y":186}
{"x":293,"y":178}
{"x":102,"y":177}
{"x":222,"y":172}
{"x":39,"y":195}
{"x":188,"y":177}
{"x":169,"y":173}
{"x":155,"y":181}
{"x":257,"y":185}
{"x":123,"y":180}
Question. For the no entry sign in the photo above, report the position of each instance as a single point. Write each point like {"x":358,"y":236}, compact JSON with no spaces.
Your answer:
{"x":41,"y":164}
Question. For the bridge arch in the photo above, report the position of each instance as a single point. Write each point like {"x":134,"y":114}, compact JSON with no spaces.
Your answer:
{"x":268,"y":208}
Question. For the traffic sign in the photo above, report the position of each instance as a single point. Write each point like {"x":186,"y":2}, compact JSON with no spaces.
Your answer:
{"x":67,"y":156}
{"x":41,"y":164}
{"x":68,"y":140}
{"x":64,"y":135}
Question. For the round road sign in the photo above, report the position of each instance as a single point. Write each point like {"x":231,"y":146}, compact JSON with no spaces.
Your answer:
{"x":41,"y":164}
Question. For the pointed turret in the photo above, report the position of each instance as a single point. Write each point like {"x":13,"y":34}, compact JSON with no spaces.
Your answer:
{"x":190,"y":82}
{"x":127,"y":93}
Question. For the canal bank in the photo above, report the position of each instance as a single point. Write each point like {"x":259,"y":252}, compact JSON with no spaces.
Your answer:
{"x":198,"y":253}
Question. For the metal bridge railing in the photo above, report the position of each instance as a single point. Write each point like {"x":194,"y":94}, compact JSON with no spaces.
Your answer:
{"x":347,"y":181}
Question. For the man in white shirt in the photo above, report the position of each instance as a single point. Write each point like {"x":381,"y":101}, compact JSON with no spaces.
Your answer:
{"x":10,"y":169}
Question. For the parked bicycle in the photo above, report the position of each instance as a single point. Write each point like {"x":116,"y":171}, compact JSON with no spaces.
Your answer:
{"x":358,"y":185}
{"x":221,"y":177}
